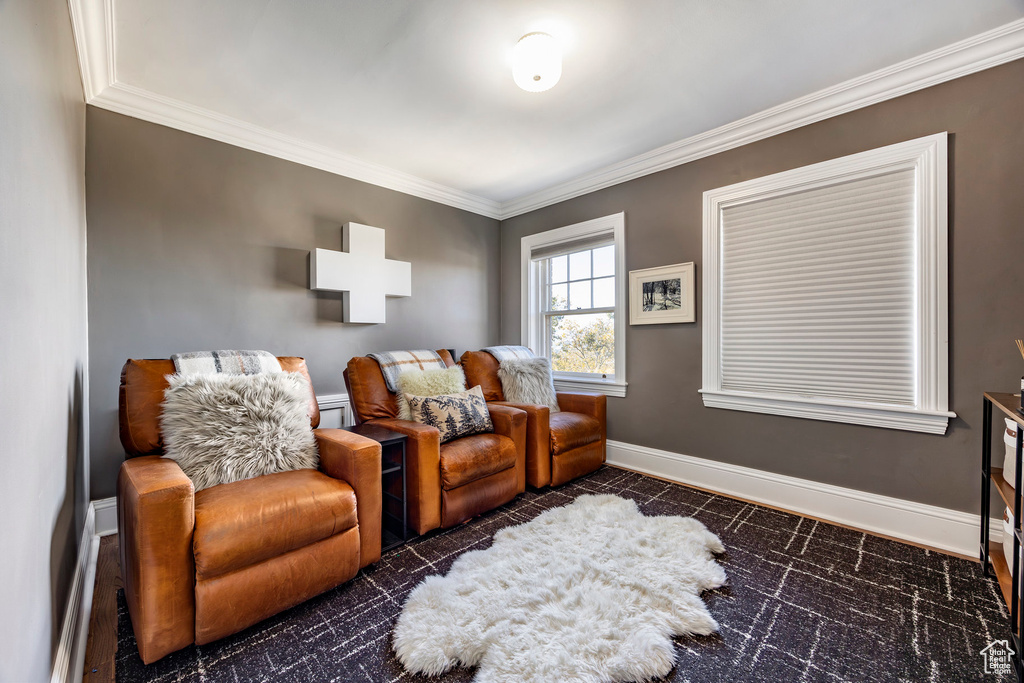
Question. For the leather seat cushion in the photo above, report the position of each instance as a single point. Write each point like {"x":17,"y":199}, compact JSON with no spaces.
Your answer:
{"x":474,"y":457}
{"x":572,"y":430}
{"x":250,"y":521}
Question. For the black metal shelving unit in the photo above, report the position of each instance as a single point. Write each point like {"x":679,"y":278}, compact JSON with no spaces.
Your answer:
{"x":992,"y":558}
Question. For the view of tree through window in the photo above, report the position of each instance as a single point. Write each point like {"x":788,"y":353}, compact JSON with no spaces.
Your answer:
{"x":583,"y":343}
{"x":580,"y":316}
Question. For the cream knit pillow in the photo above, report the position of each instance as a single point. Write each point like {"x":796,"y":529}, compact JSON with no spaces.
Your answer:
{"x":428,"y":383}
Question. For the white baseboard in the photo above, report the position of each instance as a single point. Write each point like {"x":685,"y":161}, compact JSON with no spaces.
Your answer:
{"x":927,"y":525}
{"x":106,"y":516}
{"x":69,"y":658}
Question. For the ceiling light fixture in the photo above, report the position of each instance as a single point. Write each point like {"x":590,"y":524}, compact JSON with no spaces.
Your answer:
{"x":536,"y":62}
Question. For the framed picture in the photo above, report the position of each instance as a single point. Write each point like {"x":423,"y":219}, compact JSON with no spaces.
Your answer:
{"x":662,"y":295}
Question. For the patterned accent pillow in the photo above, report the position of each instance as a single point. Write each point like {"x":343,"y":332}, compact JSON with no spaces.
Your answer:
{"x":454,"y":415}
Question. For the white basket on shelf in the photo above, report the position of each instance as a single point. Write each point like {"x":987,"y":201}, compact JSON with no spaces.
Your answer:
{"x":1008,"y":542}
{"x":1010,"y":459}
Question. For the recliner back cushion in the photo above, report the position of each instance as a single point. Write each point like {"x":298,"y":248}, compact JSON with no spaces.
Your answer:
{"x":368,"y":392}
{"x":141,"y":398}
{"x":481,"y":369}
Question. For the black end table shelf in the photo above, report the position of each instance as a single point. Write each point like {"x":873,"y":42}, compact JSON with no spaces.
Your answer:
{"x":394,"y":527}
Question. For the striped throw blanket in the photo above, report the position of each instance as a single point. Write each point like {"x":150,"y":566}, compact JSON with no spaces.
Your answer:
{"x":501,"y":353}
{"x":227,"y":362}
{"x":394,"y":363}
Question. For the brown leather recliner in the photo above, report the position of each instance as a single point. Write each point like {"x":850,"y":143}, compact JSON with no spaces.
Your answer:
{"x":198,"y":566}
{"x":446,"y":484}
{"x":559,"y":446}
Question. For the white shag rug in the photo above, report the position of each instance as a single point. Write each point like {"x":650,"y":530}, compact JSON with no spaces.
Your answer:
{"x":593,"y":591}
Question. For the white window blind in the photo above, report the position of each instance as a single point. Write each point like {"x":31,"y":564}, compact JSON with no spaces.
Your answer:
{"x":825,"y":291}
{"x":818,"y":292}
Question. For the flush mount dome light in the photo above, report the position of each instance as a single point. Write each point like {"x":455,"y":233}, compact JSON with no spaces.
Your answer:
{"x":536,"y":62}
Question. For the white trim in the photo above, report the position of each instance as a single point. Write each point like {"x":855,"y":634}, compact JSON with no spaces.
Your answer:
{"x":935,"y":527}
{"x":93,"y":24}
{"x":891,"y":417}
{"x":106,"y":516}
{"x":332,"y":401}
{"x":927,"y":525}
{"x":595,"y":386}
{"x":69,"y":658}
{"x":95,"y":39}
{"x":531,"y":307}
{"x":93,"y":28}
{"x":148,"y":106}
{"x":977,"y":53}
{"x":926,"y":156}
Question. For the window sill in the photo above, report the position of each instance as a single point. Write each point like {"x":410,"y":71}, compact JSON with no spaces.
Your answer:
{"x":599,"y":386}
{"x":892,"y":417}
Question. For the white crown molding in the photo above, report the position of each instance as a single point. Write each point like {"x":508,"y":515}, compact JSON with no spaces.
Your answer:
{"x":927,"y":525}
{"x":148,"y":106}
{"x":980,"y":52}
{"x":92,"y":23}
{"x":95,"y":40}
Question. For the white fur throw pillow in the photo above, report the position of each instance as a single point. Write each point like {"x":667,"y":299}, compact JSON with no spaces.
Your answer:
{"x":222,"y":428}
{"x":428,"y":383}
{"x":454,"y":415}
{"x":528,"y":380}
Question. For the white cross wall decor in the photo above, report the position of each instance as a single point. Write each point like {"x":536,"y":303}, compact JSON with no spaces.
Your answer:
{"x":361,"y":273}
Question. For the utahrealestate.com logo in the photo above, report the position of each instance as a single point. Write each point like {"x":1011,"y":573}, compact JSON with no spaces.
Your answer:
{"x":998,"y":657}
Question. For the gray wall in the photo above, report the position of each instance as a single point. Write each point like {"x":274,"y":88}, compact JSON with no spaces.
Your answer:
{"x":43,"y":456}
{"x":983,"y":112}
{"x":196,"y":245}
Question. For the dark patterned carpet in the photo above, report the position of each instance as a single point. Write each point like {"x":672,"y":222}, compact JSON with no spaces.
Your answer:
{"x":806,"y":601}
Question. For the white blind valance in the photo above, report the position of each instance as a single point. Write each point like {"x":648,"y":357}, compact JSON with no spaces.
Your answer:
{"x":601,"y":239}
{"x":818,"y":292}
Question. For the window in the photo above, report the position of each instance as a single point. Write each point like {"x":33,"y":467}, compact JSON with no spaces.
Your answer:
{"x":825,"y":291}
{"x":573,"y":303}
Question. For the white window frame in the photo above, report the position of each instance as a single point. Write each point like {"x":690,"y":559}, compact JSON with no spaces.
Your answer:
{"x":532,"y":304}
{"x":927,"y":158}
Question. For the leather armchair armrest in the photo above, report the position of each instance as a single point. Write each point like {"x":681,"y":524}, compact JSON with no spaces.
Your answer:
{"x":156,"y":519}
{"x":538,"y":444}
{"x":356,"y":459}
{"x":594,"y":405}
{"x":423,"y":471}
{"x":511,"y":422}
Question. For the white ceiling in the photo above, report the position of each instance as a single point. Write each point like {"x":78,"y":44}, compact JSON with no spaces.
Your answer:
{"x":424,"y":86}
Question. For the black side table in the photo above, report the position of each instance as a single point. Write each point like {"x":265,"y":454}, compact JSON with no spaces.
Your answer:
{"x":394,"y":527}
